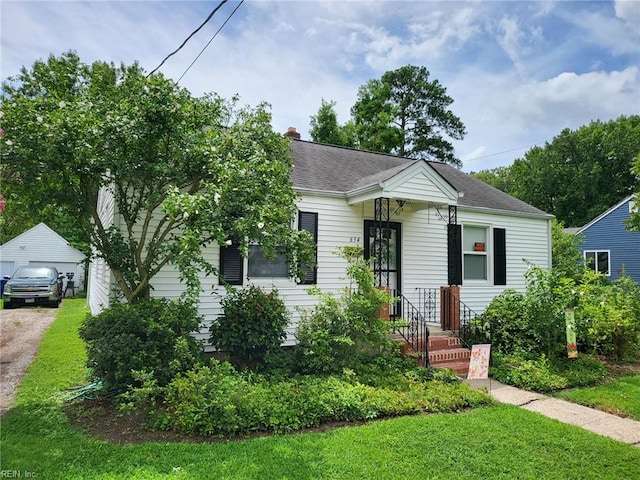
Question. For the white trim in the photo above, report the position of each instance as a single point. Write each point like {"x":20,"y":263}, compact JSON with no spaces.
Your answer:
{"x":596,"y":252}
{"x":602,"y":215}
{"x":485,"y":253}
{"x":507,"y":213}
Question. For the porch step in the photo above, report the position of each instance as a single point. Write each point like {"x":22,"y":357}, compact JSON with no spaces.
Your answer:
{"x":445,"y":351}
{"x":449,"y":355}
{"x":448,"y":352}
{"x":444,"y":343}
{"x":461,"y":368}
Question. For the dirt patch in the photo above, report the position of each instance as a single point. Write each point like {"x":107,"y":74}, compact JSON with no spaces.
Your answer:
{"x":101,"y":420}
{"x":21,"y":331}
{"x":621,"y":369}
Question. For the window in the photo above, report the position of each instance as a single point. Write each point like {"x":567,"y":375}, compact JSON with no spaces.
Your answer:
{"x":598,"y":260}
{"x":260,"y":266}
{"x":309,"y":221}
{"x":470,"y":254}
{"x":474,"y":248}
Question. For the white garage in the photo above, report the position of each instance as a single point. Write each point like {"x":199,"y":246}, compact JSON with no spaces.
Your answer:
{"x":41,"y":246}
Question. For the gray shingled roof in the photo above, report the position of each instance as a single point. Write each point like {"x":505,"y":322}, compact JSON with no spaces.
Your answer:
{"x":339,"y":170}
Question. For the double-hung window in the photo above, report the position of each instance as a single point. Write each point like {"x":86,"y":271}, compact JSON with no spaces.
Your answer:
{"x":598,"y":260}
{"x":476,"y":253}
{"x":475,"y":242}
{"x":232,"y":265}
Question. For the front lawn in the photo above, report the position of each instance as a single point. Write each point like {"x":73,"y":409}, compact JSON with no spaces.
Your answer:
{"x":620,"y":397}
{"x":501,"y":442}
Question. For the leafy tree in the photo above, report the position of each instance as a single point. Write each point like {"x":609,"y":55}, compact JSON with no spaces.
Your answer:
{"x":579,"y":174}
{"x":185,"y":172}
{"x":499,"y":177}
{"x":403,"y":113}
{"x":326,"y":129}
{"x":566,"y":256}
{"x":408,"y":114}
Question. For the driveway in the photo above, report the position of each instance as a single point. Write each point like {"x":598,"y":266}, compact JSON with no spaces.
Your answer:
{"x":20,"y":333}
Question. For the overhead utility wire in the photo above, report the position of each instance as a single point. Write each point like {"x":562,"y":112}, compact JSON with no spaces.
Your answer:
{"x":214,"y":36}
{"x":213,"y":12}
{"x":500,"y":153}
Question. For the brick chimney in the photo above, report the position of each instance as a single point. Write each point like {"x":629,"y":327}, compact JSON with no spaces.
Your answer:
{"x":291,"y":132}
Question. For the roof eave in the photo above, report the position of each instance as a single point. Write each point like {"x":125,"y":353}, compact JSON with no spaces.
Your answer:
{"x":511,"y":213}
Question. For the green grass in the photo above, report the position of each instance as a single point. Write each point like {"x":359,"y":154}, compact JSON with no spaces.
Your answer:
{"x":499,"y":442}
{"x":621,"y":397}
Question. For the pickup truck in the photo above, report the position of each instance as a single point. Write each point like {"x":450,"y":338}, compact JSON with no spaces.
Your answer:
{"x":33,"y":286}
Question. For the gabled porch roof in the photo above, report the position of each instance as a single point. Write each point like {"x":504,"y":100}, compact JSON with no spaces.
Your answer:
{"x":359,"y":176}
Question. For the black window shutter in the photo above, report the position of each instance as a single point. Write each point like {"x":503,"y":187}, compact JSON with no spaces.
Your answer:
{"x":309,"y":221}
{"x":231,"y":265}
{"x":454,"y":254}
{"x":499,"y":257}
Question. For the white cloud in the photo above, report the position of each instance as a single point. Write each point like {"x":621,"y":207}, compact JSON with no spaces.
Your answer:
{"x":569,"y":97}
{"x":506,"y":64}
{"x":629,"y":10}
{"x":510,"y":39}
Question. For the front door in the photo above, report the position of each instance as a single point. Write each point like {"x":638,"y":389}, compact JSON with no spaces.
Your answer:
{"x":390,"y":242}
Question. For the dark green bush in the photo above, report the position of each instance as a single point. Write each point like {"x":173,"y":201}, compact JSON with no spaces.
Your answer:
{"x":252,"y":326}
{"x":509,"y":323}
{"x":152,"y":336}
{"x":540,"y":374}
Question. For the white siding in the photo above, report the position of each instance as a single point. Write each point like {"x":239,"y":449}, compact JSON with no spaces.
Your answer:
{"x":527,"y":243}
{"x":423,"y":257}
{"x":420,"y":188}
{"x":99,"y":285}
{"x":338,"y":225}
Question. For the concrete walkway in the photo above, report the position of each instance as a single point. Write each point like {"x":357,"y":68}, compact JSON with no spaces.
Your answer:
{"x":622,"y":429}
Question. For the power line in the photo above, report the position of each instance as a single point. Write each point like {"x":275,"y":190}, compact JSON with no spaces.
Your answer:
{"x":208,"y":43}
{"x":213,"y":12}
{"x":500,"y":153}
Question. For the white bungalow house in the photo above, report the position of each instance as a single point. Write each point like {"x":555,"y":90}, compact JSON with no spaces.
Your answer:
{"x":428,"y":224}
{"x":42,"y":246}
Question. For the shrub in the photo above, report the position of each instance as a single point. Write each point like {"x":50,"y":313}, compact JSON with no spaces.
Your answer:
{"x":339,"y":331}
{"x":152,"y":336}
{"x":524,"y":371}
{"x":252,"y":326}
{"x":609,"y":315}
{"x":580,"y":372}
{"x":218,"y":400}
{"x":510,"y":328}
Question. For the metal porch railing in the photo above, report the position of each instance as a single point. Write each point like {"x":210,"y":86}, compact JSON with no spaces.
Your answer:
{"x":412,"y":326}
{"x":462,"y":320}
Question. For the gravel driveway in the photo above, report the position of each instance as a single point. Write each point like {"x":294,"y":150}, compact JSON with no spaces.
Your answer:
{"x":20,"y":333}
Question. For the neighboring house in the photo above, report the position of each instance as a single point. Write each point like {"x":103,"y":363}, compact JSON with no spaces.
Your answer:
{"x":41,"y":246}
{"x":608,"y":246}
{"x":429,"y":224}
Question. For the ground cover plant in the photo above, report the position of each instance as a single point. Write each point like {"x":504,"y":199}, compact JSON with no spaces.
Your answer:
{"x":500,"y":441}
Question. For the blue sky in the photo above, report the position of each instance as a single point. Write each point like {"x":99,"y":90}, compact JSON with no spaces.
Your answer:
{"x":519,"y":72}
